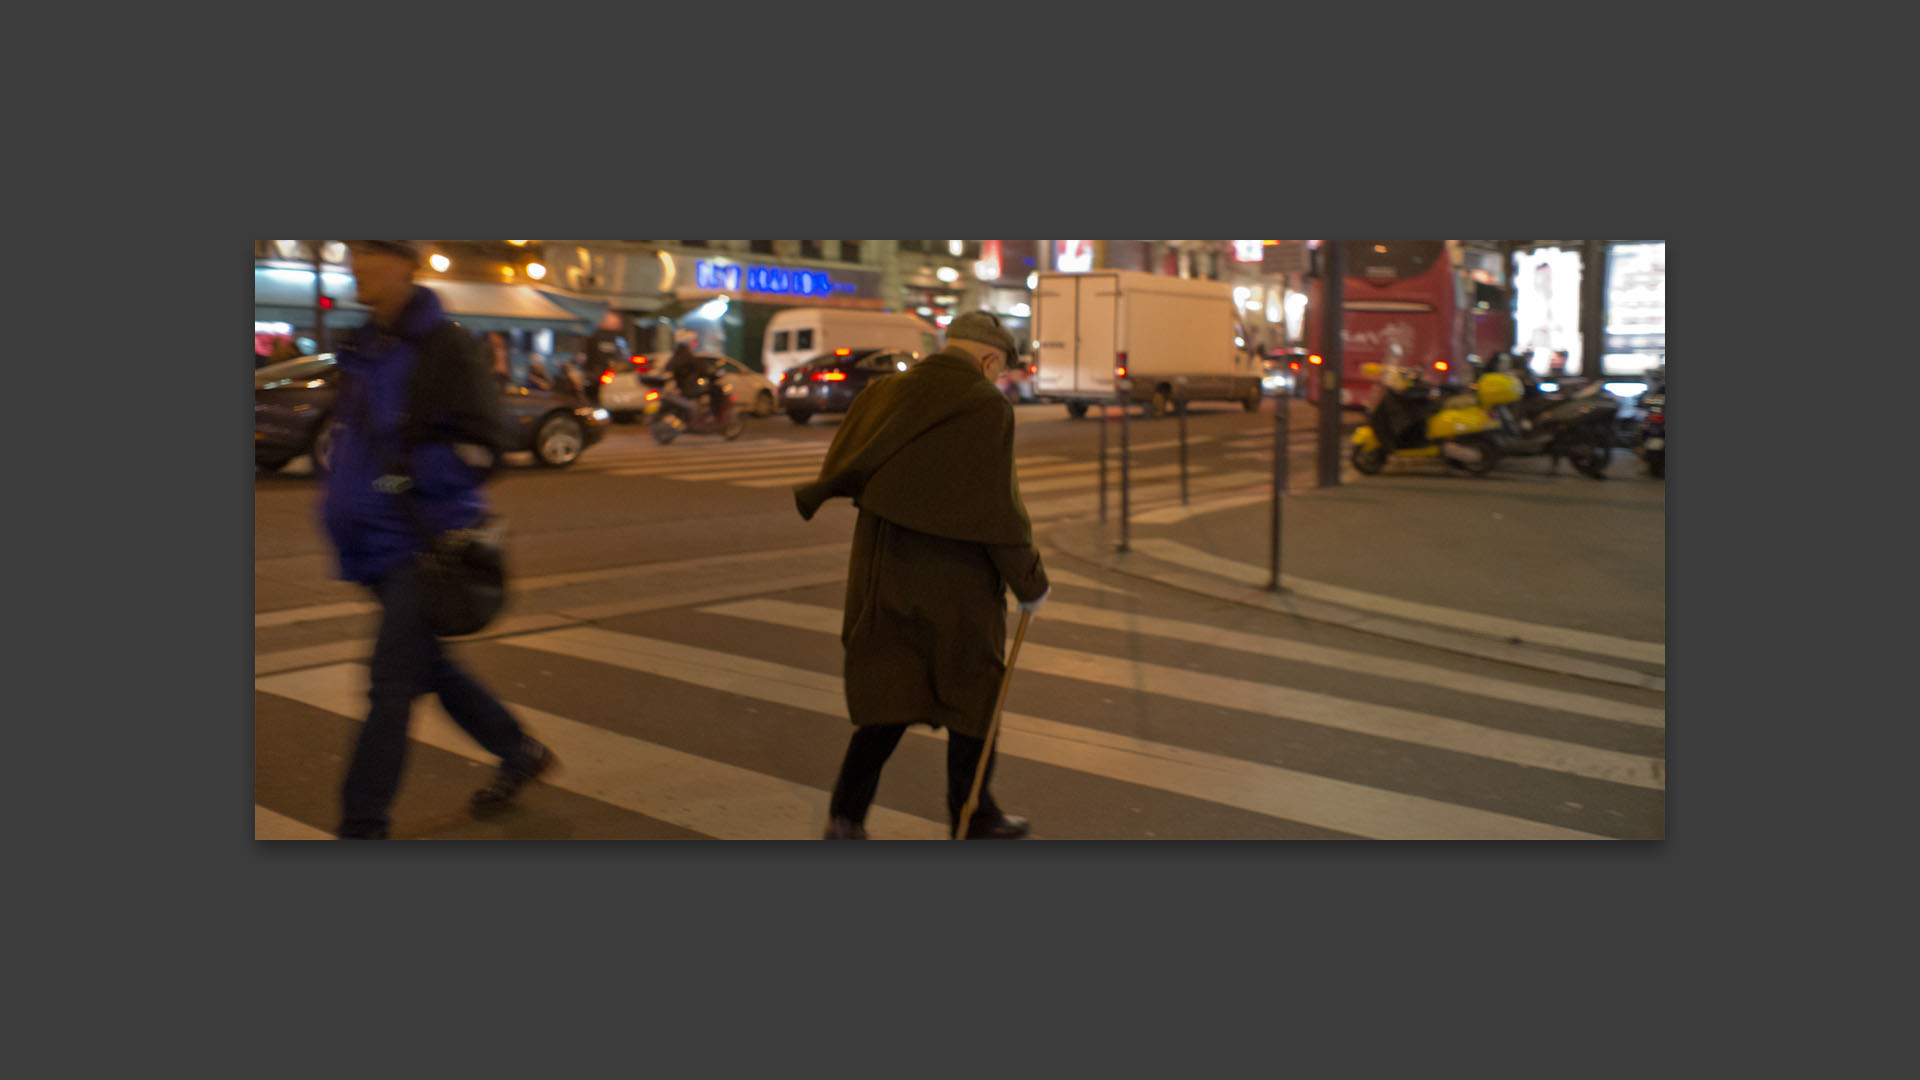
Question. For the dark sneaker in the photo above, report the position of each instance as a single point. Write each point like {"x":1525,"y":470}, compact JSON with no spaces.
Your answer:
{"x":994,"y":825}
{"x":841,"y":829}
{"x":512,"y":776}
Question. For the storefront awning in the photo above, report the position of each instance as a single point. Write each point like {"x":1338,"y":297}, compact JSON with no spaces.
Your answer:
{"x":477,"y":305}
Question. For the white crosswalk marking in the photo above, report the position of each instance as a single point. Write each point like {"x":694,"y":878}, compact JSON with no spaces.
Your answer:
{"x":268,"y":825}
{"x":1403,"y":725}
{"x":706,"y":796}
{"x":1358,"y":663}
{"x":1174,"y":551}
{"x":1065,"y":505}
{"x":1174,"y":514}
{"x":1264,"y":789}
{"x":1068,"y":483}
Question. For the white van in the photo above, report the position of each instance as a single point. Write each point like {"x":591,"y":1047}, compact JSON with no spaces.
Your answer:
{"x":798,"y":335}
{"x":1170,"y":335}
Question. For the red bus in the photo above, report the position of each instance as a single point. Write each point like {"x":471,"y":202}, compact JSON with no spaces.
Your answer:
{"x":1407,"y":300}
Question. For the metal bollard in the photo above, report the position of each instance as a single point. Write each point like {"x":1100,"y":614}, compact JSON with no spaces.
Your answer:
{"x":1103,"y":463}
{"x":1183,"y":440}
{"x":1280,"y":420}
{"x":1125,"y":477}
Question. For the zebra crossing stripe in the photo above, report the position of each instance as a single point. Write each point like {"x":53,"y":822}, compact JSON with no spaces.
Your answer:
{"x":1619,"y":648}
{"x":1358,"y":663}
{"x":1323,"y":710}
{"x":268,"y":825}
{"x":791,"y":472}
{"x":1067,"y":483}
{"x":1062,"y":506}
{"x":1263,"y":789}
{"x":709,"y":797}
{"x":1175,"y":514}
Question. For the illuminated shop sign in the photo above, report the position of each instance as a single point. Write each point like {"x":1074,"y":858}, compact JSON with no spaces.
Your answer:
{"x":767,"y":279}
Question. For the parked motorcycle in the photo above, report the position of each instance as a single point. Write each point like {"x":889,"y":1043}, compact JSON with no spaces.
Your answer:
{"x":670,"y":414}
{"x":1576,"y":424}
{"x":1415,"y":420}
{"x":1653,"y":434}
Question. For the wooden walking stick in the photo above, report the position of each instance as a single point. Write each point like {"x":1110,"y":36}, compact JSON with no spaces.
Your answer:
{"x":993,"y":728}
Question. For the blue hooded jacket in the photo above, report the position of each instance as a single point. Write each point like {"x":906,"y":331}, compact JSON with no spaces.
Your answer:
{"x":453,"y":401}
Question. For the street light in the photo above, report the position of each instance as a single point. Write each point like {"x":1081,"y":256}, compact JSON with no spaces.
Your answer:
{"x":536,"y":271}
{"x":947,"y":274}
{"x":439,"y":262}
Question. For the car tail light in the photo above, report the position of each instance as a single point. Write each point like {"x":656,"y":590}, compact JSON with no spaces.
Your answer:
{"x":606,"y":377}
{"x":1440,"y":365}
{"x":1313,"y":359}
{"x":653,"y":395}
{"x":1295,"y":365}
{"x":832,"y":376}
{"x":843,"y":352}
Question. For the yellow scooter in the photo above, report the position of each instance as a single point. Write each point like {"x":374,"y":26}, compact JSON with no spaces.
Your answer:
{"x":1460,"y":430}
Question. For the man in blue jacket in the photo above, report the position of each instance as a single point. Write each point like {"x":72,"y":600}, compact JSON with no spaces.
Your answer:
{"x":414,"y":400}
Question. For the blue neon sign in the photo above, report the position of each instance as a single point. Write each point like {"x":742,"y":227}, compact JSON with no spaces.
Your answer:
{"x":767,"y":279}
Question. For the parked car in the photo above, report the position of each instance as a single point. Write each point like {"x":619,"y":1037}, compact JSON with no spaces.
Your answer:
{"x":829,"y":383}
{"x":293,"y":415}
{"x":624,"y":396}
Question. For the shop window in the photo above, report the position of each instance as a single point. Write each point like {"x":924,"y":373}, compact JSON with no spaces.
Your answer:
{"x":849,"y":251}
{"x":810,"y":249}
{"x":760,"y":247}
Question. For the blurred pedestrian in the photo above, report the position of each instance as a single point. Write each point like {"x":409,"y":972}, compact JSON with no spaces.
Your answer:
{"x":422,"y":431}
{"x":927,"y":457}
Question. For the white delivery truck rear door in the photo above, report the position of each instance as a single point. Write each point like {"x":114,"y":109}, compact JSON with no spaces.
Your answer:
{"x":1075,"y":326}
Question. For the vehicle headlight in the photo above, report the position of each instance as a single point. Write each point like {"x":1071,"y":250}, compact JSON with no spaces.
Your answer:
{"x":601,"y":415}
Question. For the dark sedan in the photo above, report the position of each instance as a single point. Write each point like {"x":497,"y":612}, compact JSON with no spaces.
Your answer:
{"x":828,"y":384}
{"x":293,"y":415}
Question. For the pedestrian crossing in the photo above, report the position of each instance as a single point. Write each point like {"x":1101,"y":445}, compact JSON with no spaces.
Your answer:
{"x":1052,"y":486}
{"x":1130,"y":716}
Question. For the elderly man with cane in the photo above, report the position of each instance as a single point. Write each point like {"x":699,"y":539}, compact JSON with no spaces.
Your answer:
{"x":927,"y":457}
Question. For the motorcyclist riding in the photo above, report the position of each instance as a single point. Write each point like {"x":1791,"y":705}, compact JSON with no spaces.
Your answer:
{"x":687,"y":370}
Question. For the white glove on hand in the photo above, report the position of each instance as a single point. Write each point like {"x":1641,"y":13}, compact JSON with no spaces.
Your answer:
{"x":1031,"y":606}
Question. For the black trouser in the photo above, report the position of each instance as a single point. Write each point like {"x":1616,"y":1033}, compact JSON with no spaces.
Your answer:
{"x":868,"y":753}
{"x":409,"y":661}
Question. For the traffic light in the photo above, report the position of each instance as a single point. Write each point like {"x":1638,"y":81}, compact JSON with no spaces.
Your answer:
{"x":326,"y":303}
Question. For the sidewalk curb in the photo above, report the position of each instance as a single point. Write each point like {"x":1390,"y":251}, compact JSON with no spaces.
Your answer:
{"x":1145,"y":567}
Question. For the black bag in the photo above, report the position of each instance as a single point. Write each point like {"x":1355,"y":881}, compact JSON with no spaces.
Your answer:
{"x":464,"y":576}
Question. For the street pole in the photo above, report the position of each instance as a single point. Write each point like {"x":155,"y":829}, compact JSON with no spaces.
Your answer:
{"x":1281,"y":403}
{"x":1593,"y":299}
{"x":1183,"y":440}
{"x":1125,"y":475}
{"x":319,"y":298}
{"x":1333,"y":355}
{"x":1103,"y":463}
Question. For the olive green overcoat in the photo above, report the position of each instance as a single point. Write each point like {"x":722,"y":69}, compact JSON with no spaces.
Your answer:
{"x":927,"y":456}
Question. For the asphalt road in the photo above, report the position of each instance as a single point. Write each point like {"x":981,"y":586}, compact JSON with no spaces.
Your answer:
{"x":674,"y":636}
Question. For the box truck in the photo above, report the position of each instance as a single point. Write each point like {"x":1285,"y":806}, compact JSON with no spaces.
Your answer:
{"x":801,"y":334}
{"x":1113,"y":335}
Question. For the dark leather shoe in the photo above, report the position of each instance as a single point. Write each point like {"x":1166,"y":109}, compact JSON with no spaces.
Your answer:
{"x":997,"y":827}
{"x":536,"y":762}
{"x":842,"y":829}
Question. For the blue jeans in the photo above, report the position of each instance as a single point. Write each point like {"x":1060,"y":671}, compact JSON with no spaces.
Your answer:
{"x":408,"y":661}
